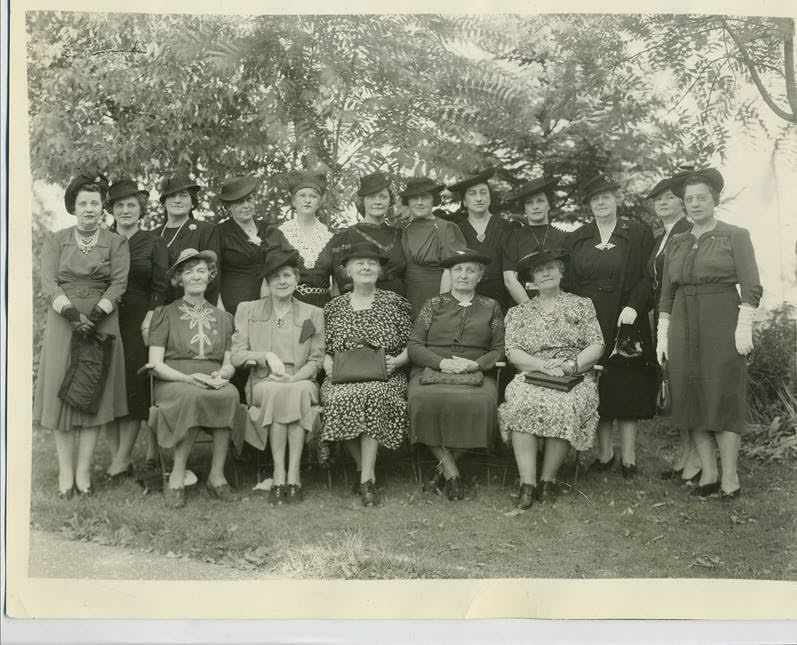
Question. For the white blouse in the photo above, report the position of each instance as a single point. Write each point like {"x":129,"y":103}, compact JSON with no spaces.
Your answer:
{"x":308,"y":241}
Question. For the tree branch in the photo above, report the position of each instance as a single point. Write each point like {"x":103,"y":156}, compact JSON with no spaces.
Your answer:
{"x":788,"y":64}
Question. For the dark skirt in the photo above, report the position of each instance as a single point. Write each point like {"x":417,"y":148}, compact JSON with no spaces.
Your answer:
{"x":423,"y":282}
{"x":237,"y":288}
{"x":132,"y":310}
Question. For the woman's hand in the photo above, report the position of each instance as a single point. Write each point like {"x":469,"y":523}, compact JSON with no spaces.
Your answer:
{"x":327,"y":364}
{"x":468,"y":365}
{"x":743,"y":336}
{"x":197,"y":379}
{"x":552,"y":367}
{"x":451,"y":366}
{"x":392,"y":363}
{"x":276,"y":366}
{"x":627,"y":316}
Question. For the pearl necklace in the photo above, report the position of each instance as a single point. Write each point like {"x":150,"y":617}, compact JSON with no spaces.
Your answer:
{"x":174,"y":237}
{"x":86,"y":244}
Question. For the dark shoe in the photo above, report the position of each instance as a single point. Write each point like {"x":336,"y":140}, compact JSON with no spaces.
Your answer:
{"x":355,"y":486}
{"x":693,"y":480}
{"x":435,"y":483}
{"x":455,"y":488}
{"x":629,"y":470}
{"x":602,"y":466}
{"x":526,"y":496}
{"x":547,"y":491}
{"x":223,"y":492}
{"x":295,"y":494}
{"x":729,"y":497}
{"x":671,"y":474}
{"x":706,"y":490}
{"x":66,"y":494}
{"x":118,"y":478}
{"x":88,"y":492}
{"x":368,"y":493}
{"x":150,"y":464}
{"x":175,"y":497}
{"x":277,"y":494}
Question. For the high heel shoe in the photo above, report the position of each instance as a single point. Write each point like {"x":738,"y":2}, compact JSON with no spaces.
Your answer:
{"x":66,"y":494}
{"x":526,"y":496}
{"x":602,"y":466}
{"x":629,"y":470}
{"x":729,"y":497}
{"x":706,"y":490}
{"x":368,"y":494}
{"x":547,"y":491}
{"x":117,"y":478}
{"x":673,"y":473}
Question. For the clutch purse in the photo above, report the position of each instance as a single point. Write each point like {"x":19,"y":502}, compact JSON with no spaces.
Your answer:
{"x":560,"y":383}
{"x":432,"y":376}
{"x":360,"y":365}
{"x":89,"y":362}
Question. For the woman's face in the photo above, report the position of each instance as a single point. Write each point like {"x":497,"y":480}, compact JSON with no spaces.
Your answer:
{"x":466,"y":275}
{"x":178,"y":204}
{"x":376,"y":205}
{"x":244,"y":209}
{"x":363,"y":271}
{"x":699,"y":203}
{"x":282,"y":283}
{"x":604,"y":205}
{"x":667,"y":206}
{"x":126,"y":211}
{"x":88,"y":210}
{"x":477,"y":199}
{"x":421,"y":205}
{"x":547,"y":276}
{"x":537,"y":209}
{"x":306,"y":201}
{"x":195,"y":277}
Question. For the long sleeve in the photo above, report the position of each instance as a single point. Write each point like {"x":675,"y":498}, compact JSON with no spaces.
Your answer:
{"x":453,"y":240}
{"x":746,"y":267}
{"x":160,"y":265}
{"x":212,"y":242}
{"x":315,"y":358}
{"x":417,"y":350}
{"x":120,"y":268}
{"x":50,"y":258}
{"x":640,"y":297}
{"x":667,"y":296}
{"x":324,"y":266}
{"x":488,"y":360}
{"x":241,"y":350}
{"x":569,"y":281}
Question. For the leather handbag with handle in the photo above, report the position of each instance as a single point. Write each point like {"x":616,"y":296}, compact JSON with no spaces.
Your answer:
{"x":360,"y":365}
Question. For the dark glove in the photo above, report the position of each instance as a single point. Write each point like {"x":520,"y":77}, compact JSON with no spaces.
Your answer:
{"x":71,"y":314}
{"x":97,"y":315}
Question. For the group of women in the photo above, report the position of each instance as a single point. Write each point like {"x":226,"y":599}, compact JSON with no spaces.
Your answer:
{"x":270,"y":335}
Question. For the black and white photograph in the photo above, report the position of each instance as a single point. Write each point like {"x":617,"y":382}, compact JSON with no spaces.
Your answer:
{"x":404,"y":297}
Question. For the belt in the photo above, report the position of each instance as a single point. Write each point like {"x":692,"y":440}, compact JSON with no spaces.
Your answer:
{"x":306,"y":289}
{"x":83,"y":291}
{"x":696,"y":289}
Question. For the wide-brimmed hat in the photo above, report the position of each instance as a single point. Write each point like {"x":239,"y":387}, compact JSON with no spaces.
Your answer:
{"x":466,"y":255}
{"x":298,"y":179}
{"x":364,"y":250}
{"x":421,"y":186}
{"x":191,"y":254}
{"x":373,"y":183}
{"x":711,"y":176}
{"x":538,"y":185}
{"x":596,"y":185}
{"x":527,"y":264}
{"x":658,"y":189}
{"x":121,"y":189}
{"x":477,"y":177}
{"x":176,"y":184}
{"x":279,"y":258}
{"x":84,"y":178}
{"x":237,"y":188}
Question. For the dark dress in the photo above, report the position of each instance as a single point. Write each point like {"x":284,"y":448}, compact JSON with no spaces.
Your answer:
{"x":455,"y":416}
{"x":309,"y":242}
{"x":146,"y":290}
{"x":613,"y":279}
{"x":708,"y":377}
{"x":524,"y":239}
{"x":194,"y":234}
{"x":426,"y":243}
{"x":241,"y":260}
{"x":656,"y":263}
{"x":496,"y":238}
{"x":386,"y":238}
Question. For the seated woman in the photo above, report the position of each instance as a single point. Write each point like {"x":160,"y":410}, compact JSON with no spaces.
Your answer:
{"x":373,"y":413}
{"x":556,"y":333}
{"x":456,"y":333}
{"x":285,"y":339}
{"x":190,"y":356}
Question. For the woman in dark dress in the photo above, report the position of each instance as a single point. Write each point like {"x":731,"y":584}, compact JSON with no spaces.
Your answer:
{"x":533,"y":233}
{"x":706,"y":329}
{"x":146,"y":289}
{"x":427,"y":240}
{"x":374,"y":199}
{"x":456,"y":333}
{"x":484,"y":232}
{"x":608,"y":260}
{"x":182,"y":230}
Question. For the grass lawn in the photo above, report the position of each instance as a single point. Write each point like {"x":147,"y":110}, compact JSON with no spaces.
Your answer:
{"x":612,"y":528}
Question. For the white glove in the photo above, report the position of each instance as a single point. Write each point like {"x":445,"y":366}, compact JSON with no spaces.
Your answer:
{"x":744,"y":330}
{"x":662,"y":336}
{"x":276,"y":366}
{"x":627,"y":316}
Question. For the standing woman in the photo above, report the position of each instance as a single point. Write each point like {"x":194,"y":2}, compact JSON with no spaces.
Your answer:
{"x":181,"y":231}
{"x":706,"y":329}
{"x":305,"y":233}
{"x":534,"y":233}
{"x":373,"y":202}
{"x":427,"y":240}
{"x":84,"y":274}
{"x":608,"y":258}
{"x":484,"y":232}
{"x":146,"y":289}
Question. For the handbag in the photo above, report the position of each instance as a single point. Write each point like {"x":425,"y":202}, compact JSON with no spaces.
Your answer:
{"x":431,"y":376}
{"x":360,"y":365}
{"x":87,"y":373}
{"x":560,"y":383}
{"x":627,"y":386}
{"x":663,"y":400}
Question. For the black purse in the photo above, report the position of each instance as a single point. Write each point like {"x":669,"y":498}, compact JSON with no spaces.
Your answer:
{"x":560,"y":383}
{"x":360,"y":365}
{"x":628,"y":382}
{"x":85,"y":378}
{"x":663,"y":399}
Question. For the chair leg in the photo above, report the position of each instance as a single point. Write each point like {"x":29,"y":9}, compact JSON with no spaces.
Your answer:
{"x":578,"y":466}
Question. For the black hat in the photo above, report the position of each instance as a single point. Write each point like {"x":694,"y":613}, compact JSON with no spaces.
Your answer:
{"x":420,"y":186}
{"x":596,"y":185}
{"x":658,"y":189}
{"x":539,"y":185}
{"x":279,"y":258}
{"x":85,"y":178}
{"x":237,"y":188}
{"x":121,"y":189}
{"x":190,"y":254}
{"x":527,"y":264}
{"x":298,"y":179}
{"x":176,"y":184}
{"x":466,"y":255}
{"x":711,"y":176}
{"x":373,"y":183}
{"x":477,"y":177}
{"x":364,"y":250}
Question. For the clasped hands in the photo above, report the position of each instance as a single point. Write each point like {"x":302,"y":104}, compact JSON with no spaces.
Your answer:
{"x":458,"y":365}
{"x":276,"y":368}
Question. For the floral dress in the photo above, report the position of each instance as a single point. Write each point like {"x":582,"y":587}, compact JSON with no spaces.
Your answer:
{"x":376,"y":408}
{"x":564,"y":332}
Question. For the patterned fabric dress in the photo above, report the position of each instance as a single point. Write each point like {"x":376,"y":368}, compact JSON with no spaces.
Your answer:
{"x":376,"y":408}
{"x":564,"y":332}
